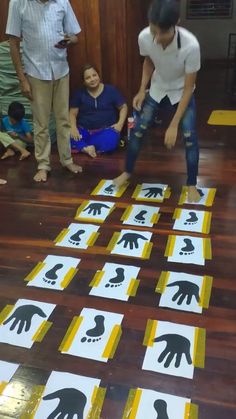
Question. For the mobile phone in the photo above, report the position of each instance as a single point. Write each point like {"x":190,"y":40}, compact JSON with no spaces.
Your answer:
{"x":63,"y":42}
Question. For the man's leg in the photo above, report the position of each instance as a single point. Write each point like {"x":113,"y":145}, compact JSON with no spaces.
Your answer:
{"x":61,"y":112}
{"x":144,"y":121}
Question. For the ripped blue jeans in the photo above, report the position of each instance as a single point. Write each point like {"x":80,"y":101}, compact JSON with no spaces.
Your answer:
{"x":188,"y":129}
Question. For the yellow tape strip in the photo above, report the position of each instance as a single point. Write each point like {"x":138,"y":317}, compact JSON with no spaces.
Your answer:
{"x":155,"y":218}
{"x":177,"y":214}
{"x":70,"y":334}
{"x":133,"y":287}
{"x":129,"y":404}
{"x":62,"y":235}
{"x":206,"y":291}
{"x":97,"y":279}
{"x":93,"y":238}
{"x":33,"y":403}
{"x":127,"y":213}
{"x":98,"y":397}
{"x":98,"y":187}
{"x":121,"y":190}
{"x":80,"y":209}
{"x":170,"y":246}
{"x":135,"y":405}
{"x":163,"y":279}
{"x":183,"y":196}
{"x":167,"y":193}
{"x":68,"y":277}
{"x":137,"y":191}
{"x":3,"y":385}
{"x":35,"y":271}
{"x":112,"y":343}
{"x":199,"y":347}
{"x":5,"y":312}
{"x":113,"y":241}
{"x":41,"y":332}
{"x":206,"y":222}
{"x":191,"y":411}
{"x":211,"y":197}
{"x":147,"y":249}
{"x":150,"y":332}
{"x":207,"y":248}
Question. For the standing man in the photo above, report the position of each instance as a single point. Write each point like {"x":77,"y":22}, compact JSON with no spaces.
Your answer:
{"x":172,"y":60}
{"x":47,"y":28}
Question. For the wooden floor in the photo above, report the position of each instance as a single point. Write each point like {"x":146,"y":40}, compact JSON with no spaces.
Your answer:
{"x":32,"y":215}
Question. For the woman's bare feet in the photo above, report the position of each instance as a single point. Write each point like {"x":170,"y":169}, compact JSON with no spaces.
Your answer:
{"x":90,"y":150}
{"x":3,"y":181}
{"x":121,"y":180}
{"x":8,"y":153}
{"x":41,"y":176}
{"x":24,"y":155}
{"x":192,"y":194}
{"x":74,"y":168}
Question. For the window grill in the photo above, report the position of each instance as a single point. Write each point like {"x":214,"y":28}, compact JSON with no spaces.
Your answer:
{"x":209,"y":9}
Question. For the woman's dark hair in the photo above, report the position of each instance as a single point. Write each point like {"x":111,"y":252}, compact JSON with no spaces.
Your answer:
{"x":16,"y":111}
{"x":164,"y":13}
{"x":88,"y":67}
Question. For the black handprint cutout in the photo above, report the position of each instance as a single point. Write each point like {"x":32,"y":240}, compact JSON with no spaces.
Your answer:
{"x":139,"y":218}
{"x":75,"y":238}
{"x":109,"y":189}
{"x":117,"y":280}
{"x":131,"y":239}
{"x":188,"y":249}
{"x":176,"y":345}
{"x":187,"y":290}
{"x":193,"y":219}
{"x":96,"y":332}
{"x":153,"y":192}
{"x":200,"y":192}
{"x":71,"y":402}
{"x":160,"y":407}
{"x":51,"y":275}
{"x":95,"y":208}
{"x":23,"y":316}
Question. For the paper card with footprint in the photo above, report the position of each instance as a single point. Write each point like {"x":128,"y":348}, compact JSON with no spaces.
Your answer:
{"x":55,"y":272}
{"x":188,"y":249}
{"x":78,"y":236}
{"x":107,"y":188}
{"x":131,"y":243}
{"x":173,"y":349}
{"x":96,"y":211}
{"x":207,"y":196}
{"x":152,"y":192}
{"x":191,"y":220}
{"x":25,"y":322}
{"x":143,"y":403}
{"x":115,"y":281}
{"x":7,"y":370}
{"x":95,"y":334}
{"x":68,"y":396}
{"x":181,"y":291}
{"x":143,"y":215}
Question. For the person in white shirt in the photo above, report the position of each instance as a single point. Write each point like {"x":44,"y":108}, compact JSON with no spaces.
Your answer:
{"x":46,"y":28}
{"x":172,"y":60}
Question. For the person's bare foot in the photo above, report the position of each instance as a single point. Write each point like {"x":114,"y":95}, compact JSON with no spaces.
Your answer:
{"x":41,"y":176}
{"x":8,"y":153}
{"x":24,"y":155}
{"x":121,"y":180}
{"x":3,"y":181}
{"x":90,"y":150}
{"x":74,"y":168}
{"x":192,"y":194}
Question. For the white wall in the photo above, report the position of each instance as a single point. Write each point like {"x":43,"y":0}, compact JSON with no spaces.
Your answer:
{"x":211,"y":33}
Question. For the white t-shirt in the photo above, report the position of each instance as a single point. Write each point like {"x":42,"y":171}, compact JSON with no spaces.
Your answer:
{"x":171,"y":64}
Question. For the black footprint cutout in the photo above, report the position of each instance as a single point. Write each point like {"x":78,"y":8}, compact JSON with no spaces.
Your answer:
{"x":51,"y":275}
{"x":117,"y":280}
{"x":188,"y":249}
{"x":160,"y":407}
{"x":75,"y":238}
{"x":193,"y":219}
{"x":94,"y":334}
{"x":109,"y":189}
{"x":139,"y":218}
{"x":200,"y":192}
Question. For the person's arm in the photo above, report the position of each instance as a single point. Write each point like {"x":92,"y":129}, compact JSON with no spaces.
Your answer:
{"x":123,"y":110}
{"x":27,"y":137}
{"x":73,"y":123}
{"x":148,"y":68}
{"x":172,"y":131}
{"x":71,"y":28}
{"x":16,"y":58}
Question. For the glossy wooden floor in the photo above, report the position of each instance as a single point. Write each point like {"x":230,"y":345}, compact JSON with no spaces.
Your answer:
{"x":32,"y":216}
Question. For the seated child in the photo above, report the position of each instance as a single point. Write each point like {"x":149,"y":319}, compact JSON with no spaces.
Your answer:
{"x":16,"y":132}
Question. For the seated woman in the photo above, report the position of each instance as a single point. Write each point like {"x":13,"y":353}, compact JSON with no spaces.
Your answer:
{"x":97,"y":115}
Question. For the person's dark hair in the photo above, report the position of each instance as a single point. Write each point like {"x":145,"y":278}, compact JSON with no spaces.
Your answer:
{"x":164,"y":13}
{"x":88,"y":67}
{"x":16,"y":111}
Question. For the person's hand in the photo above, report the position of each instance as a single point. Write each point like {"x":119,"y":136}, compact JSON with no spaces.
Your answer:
{"x":26,"y":89}
{"x":187,"y":290}
{"x":171,"y":136}
{"x":64,"y":43}
{"x":138,"y":100}
{"x":71,"y":402}
{"x":22,"y":317}
{"x":176,"y":346}
{"x":131,"y":239}
{"x":117,"y":127}
{"x":12,"y":134}
{"x":74,"y":133}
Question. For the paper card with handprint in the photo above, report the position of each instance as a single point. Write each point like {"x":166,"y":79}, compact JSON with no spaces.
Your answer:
{"x":152,"y":192}
{"x":78,"y":236}
{"x":107,"y":188}
{"x":96,"y":211}
{"x":115,"y":281}
{"x":7,"y":370}
{"x":173,"y":349}
{"x":191,"y":220}
{"x":181,"y":291}
{"x":94,"y":334}
{"x":70,"y":396}
{"x":144,"y":403}
{"x":188,"y":249}
{"x":131,"y":243}
{"x":25,"y":322}
{"x":207,"y":196}
{"x":143,"y":215}
{"x":55,"y":272}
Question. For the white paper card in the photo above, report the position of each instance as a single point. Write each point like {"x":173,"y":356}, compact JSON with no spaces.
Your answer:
{"x":190,"y":220}
{"x":78,"y":236}
{"x":154,"y":192}
{"x":131,"y":243}
{"x":7,"y":370}
{"x":204,"y":193}
{"x":142,"y":215}
{"x":188,"y":249}
{"x":97,"y":211}
{"x":107,"y":188}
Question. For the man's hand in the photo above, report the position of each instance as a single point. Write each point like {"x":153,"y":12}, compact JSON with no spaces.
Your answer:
{"x":66,"y":41}
{"x":171,"y":136}
{"x":117,"y":127}
{"x":138,"y":100}
{"x":26,"y":89}
{"x":74,"y":133}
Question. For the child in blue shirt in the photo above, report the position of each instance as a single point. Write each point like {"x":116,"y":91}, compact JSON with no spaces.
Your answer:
{"x":16,"y":132}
